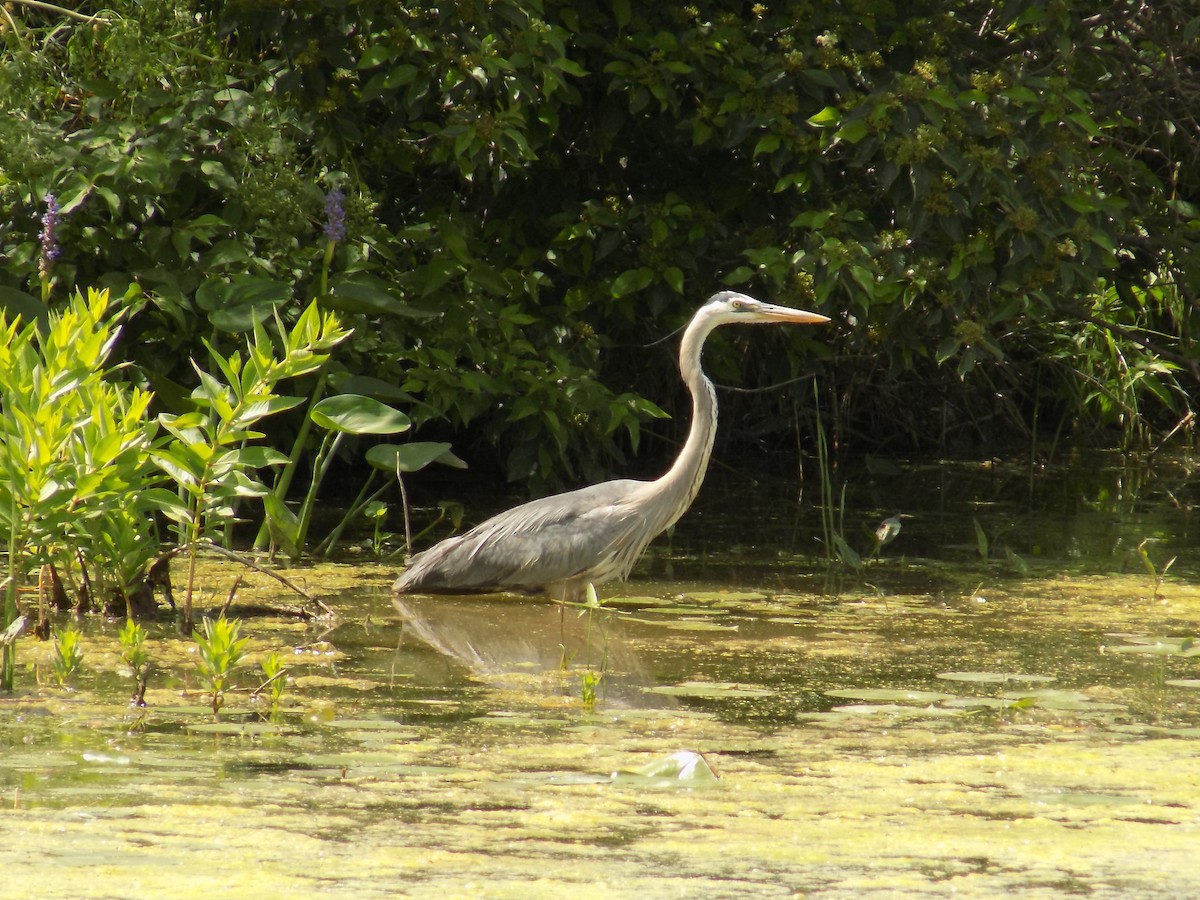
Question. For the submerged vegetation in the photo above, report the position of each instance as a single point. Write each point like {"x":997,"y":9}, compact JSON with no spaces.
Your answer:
{"x":1028,"y":736}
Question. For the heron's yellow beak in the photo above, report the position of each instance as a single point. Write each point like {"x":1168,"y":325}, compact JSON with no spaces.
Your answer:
{"x":772,"y":313}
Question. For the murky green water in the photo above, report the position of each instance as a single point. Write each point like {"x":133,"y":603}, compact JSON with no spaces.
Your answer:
{"x":937,"y":723}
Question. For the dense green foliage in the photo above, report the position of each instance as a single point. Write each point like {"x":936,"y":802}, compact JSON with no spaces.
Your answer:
{"x":995,"y":201}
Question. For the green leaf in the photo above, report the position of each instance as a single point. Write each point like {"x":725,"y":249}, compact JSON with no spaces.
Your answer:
{"x":981,"y":540}
{"x":631,"y":281}
{"x":411,"y":457}
{"x":685,"y":766}
{"x":368,"y":298}
{"x":768,"y":143}
{"x":18,"y":303}
{"x":853,"y":131}
{"x":283,"y":524}
{"x":826,"y":118}
{"x":356,"y":414}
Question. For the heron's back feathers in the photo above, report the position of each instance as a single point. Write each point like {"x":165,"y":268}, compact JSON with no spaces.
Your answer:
{"x":592,"y":534}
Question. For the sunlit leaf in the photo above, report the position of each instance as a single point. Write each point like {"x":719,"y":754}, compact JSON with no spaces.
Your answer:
{"x":356,"y":414}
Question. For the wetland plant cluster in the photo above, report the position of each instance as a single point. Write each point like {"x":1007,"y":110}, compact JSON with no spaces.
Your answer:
{"x":220,"y":650}
{"x":89,"y":474}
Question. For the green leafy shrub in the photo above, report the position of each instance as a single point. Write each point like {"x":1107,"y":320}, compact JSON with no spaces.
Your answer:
{"x":74,"y":453}
{"x":534,"y":190}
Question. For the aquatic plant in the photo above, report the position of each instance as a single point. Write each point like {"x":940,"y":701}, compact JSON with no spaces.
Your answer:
{"x":275,"y":672}
{"x":49,"y":246}
{"x":209,"y":452}
{"x":376,"y":513}
{"x":1156,"y":574}
{"x":589,"y":682}
{"x":832,"y":515}
{"x":982,"y":545}
{"x":335,"y":231}
{"x":133,"y":651}
{"x":68,"y":656}
{"x":220,"y":649}
{"x":74,"y":448}
{"x":591,"y":678}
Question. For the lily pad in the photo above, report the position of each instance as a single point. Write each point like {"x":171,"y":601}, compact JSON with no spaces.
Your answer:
{"x":995,"y":677}
{"x":236,"y":728}
{"x":698,"y":625}
{"x":322,"y":681}
{"x":710,"y":690}
{"x":368,"y":724}
{"x":636,"y":602}
{"x":683,"y":766}
{"x":892,"y":695}
{"x":685,"y":624}
{"x":896,"y":709}
{"x":1050,"y":698}
{"x":1160,"y":646}
{"x":979,"y":703}
{"x":725,"y":596}
{"x":690,"y":611}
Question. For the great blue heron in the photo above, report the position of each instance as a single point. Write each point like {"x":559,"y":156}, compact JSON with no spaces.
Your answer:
{"x":558,"y":544}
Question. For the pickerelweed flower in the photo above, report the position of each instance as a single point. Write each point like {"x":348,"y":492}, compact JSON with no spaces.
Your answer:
{"x":335,"y":215}
{"x":49,"y":238}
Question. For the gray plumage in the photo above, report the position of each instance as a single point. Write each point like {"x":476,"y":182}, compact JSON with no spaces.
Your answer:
{"x":559,"y":544}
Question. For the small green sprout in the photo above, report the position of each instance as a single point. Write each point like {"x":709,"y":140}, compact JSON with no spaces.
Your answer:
{"x":589,"y":682}
{"x":376,"y":512}
{"x":275,"y":673}
{"x":220,"y":652}
{"x":133,"y":651}
{"x":67,"y":654}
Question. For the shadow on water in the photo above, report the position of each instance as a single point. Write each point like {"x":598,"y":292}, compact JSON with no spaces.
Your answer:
{"x":1015,"y":714}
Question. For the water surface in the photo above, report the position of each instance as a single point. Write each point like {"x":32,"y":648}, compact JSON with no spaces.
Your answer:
{"x":936,"y":722}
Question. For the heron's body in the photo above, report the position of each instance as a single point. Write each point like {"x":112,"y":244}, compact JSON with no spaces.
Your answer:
{"x":559,"y":544}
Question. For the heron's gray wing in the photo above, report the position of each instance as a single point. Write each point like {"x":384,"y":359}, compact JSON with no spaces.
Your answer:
{"x":532,"y":545}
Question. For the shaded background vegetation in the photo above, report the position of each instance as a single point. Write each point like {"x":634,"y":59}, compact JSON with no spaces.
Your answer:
{"x":996,"y":203}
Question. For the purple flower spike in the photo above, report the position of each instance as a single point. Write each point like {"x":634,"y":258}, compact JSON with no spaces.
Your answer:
{"x":49,"y":237}
{"x":335,"y":215}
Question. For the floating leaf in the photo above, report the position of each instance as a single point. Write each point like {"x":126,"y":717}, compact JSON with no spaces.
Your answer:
{"x":698,"y":625}
{"x":636,"y":602}
{"x":235,"y":728}
{"x":710,"y":690}
{"x":685,"y":765}
{"x":724,"y":596}
{"x":979,"y":702}
{"x":895,"y":709}
{"x":1050,"y":698}
{"x":1160,"y":646}
{"x":994,"y":677}
{"x":895,"y":695}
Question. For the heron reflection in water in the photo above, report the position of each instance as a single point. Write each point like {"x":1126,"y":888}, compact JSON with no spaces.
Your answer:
{"x":558,"y":544}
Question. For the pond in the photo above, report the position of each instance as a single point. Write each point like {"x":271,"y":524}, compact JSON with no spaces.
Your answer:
{"x":1003,"y":701}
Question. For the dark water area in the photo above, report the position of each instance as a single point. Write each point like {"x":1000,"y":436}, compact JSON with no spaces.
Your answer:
{"x":1004,"y":700}
{"x":1088,"y":515}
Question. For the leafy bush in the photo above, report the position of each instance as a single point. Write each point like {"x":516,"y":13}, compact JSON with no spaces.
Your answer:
{"x":535,"y":189}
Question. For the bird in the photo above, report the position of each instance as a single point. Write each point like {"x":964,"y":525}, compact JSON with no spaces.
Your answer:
{"x":559,"y":544}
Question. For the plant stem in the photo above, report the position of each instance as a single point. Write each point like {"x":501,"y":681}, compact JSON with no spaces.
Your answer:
{"x":284,"y":481}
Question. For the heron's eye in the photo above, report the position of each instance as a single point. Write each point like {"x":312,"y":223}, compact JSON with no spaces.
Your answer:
{"x":738,"y":305}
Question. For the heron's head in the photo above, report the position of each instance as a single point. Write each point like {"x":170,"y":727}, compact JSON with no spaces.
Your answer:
{"x":732,"y":308}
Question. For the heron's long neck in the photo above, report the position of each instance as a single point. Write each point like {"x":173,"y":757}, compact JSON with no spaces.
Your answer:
{"x":682,"y":481}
